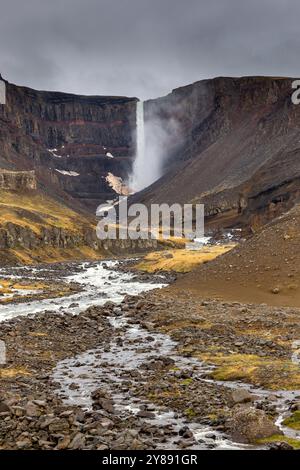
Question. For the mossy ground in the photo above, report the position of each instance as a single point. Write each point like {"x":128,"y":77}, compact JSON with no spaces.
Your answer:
{"x":269,"y":372}
{"x":293,"y":421}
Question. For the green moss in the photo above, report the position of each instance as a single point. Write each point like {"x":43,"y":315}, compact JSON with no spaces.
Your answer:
{"x":293,"y":421}
{"x":271,"y":373}
{"x":279,"y":438}
{"x":190,"y":413}
{"x":187,"y":382}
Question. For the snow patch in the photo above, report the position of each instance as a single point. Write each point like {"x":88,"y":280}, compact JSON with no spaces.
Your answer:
{"x":67,"y":173}
{"x":53,"y":152}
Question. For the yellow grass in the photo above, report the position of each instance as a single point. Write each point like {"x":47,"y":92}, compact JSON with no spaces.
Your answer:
{"x":36,"y":211}
{"x":45,"y":212}
{"x":180,"y":260}
{"x":55,"y":255}
{"x":12,"y":372}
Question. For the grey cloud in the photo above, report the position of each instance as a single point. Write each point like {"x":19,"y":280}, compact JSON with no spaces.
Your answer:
{"x":144,"y":48}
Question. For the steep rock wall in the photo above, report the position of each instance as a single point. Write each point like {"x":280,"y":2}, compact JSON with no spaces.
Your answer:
{"x":51,"y":131}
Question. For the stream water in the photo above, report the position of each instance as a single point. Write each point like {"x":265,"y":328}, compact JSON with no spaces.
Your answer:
{"x":108,"y":366}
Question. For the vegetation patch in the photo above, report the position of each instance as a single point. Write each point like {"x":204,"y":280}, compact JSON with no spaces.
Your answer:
{"x":271,"y":373}
{"x":180,"y":260}
{"x":279,"y":438}
{"x":293,"y":421}
{"x":12,"y":372}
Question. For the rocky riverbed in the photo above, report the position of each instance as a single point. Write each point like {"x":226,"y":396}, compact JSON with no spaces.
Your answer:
{"x":116,"y":364}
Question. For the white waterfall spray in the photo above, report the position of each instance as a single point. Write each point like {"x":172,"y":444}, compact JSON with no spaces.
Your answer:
{"x":152,"y":140}
{"x":139,"y":181}
{"x":136,"y":180}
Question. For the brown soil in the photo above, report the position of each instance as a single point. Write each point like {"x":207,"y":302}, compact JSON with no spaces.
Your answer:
{"x":264,"y":269}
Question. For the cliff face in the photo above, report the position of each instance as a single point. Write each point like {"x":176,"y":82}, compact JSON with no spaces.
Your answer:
{"x":236,"y":149}
{"x":68,"y":140}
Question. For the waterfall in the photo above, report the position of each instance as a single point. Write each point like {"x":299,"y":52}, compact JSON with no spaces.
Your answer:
{"x":152,"y":140}
{"x":138,"y":180}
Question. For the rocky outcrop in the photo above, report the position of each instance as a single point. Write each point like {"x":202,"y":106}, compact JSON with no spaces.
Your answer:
{"x":17,"y":236}
{"x":72,"y":142}
{"x":14,"y":236}
{"x":17,"y":180}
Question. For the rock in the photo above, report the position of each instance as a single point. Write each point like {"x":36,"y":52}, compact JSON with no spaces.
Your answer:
{"x":145,"y":414}
{"x":63,"y":443}
{"x":78,"y":442}
{"x":185,"y":432}
{"x":211,"y":435}
{"x":280,"y":446}
{"x":248,"y":424}
{"x":18,"y":411}
{"x":41,"y":403}
{"x":24,"y":444}
{"x":295,"y":406}
{"x":59,"y":425}
{"x":4,"y":408}
{"x":32,"y":410}
{"x":107,"y":423}
{"x":242,"y":396}
{"x":276,"y":290}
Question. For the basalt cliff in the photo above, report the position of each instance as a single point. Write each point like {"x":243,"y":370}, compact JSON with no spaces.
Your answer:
{"x":236,"y":149}
{"x":72,"y":142}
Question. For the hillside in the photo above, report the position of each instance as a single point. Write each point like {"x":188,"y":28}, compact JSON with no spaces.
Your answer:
{"x":263,"y":269}
{"x":236,"y":149}
{"x":36,"y":228}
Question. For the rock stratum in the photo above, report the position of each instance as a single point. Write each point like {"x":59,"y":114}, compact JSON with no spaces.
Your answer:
{"x":71,"y":142}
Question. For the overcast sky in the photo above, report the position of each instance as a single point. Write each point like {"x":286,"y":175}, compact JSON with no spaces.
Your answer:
{"x":145,"y":48}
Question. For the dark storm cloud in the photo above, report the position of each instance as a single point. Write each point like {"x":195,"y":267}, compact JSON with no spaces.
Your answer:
{"x":144,"y":47}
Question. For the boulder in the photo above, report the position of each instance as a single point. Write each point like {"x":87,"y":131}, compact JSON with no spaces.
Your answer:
{"x":242,"y":396}
{"x":248,"y":424}
{"x":4,"y":408}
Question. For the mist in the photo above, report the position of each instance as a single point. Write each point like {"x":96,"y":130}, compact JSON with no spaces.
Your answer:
{"x":153,"y":137}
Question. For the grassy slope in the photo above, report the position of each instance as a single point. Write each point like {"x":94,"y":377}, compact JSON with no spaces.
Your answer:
{"x":180,"y":260}
{"x":36,"y":211}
